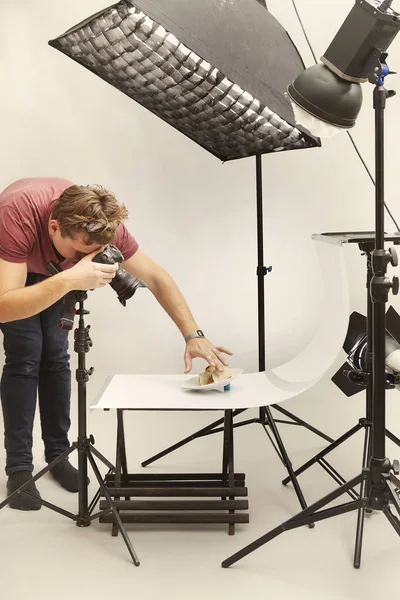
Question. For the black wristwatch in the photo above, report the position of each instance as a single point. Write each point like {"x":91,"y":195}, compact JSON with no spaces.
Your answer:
{"x":196,"y":334}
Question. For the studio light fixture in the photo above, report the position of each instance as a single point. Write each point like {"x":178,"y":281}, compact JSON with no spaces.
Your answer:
{"x":350,"y":377}
{"x":329,"y":93}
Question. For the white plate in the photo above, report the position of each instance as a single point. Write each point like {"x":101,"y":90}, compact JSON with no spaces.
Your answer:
{"x":193,"y":383}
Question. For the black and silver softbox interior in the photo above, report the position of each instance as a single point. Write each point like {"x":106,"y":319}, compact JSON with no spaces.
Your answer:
{"x":215,"y":70}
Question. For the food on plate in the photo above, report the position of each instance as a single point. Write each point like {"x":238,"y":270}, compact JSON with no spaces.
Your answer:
{"x":212,"y":375}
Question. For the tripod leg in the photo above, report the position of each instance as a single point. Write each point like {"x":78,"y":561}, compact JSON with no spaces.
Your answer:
{"x":394,"y":496}
{"x":102,"y":458}
{"x":368,"y":509}
{"x":286,"y":459}
{"x":205,"y":431}
{"x":393,"y":520}
{"x":96,"y":497}
{"x":325,"y":451}
{"x":274,"y":445}
{"x":106,"y":494}
{"x":395,"y":481}
{"x":302,"y":423}
{"x":111,"y":468}
{"x":337,"y":477}
{"x":393,"y":438}
{"x":302,"y":517}
{"x":361,"y":511}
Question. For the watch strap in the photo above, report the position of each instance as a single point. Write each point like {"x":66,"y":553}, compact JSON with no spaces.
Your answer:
{"x":195,"y":334}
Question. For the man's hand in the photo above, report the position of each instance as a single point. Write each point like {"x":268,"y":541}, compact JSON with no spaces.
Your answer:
{"x":89,"y":275}
{"x":203,"y":348}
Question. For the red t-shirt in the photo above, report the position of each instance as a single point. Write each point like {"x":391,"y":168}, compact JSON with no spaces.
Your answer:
{"x":25,"y":209}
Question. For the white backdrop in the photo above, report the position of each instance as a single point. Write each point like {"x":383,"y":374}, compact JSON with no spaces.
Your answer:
{"x":189,"y":212}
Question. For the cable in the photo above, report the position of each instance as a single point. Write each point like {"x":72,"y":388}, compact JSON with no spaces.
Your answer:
{"x":348,"y":132}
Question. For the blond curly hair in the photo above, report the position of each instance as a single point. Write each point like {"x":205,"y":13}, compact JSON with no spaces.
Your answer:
{"x":81,"y":207}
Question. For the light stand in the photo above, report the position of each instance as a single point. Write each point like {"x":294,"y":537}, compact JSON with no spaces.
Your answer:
{"x":359,"y":377}
{"x":378,"y":481}
{"x":83,"y":445}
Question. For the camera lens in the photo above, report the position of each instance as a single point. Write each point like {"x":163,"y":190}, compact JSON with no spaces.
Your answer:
{"x":123,"y":284}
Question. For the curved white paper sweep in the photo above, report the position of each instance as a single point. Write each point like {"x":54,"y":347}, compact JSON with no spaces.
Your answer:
{"x":255,"y":389}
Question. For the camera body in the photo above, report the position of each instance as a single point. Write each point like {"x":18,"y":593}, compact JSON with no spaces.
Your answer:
{"x":109,"y":256}
{"x":123,"y":284}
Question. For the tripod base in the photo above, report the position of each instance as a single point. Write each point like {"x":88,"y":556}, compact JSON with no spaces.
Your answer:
{"x":381,"y":496}
{"x":84,"y":517}
{"x":320,"y":459}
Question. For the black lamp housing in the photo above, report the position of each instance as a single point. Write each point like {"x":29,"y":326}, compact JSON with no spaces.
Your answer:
{"x":366,"y":34}
{"x":331,"y":91}
{"x":322,"y":94}
{"x":355,"y":346}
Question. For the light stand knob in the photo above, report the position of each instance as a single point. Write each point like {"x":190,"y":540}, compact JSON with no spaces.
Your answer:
{"x":396,"y":467}
{"x":395,"y":286}
{"x":394,"y":257}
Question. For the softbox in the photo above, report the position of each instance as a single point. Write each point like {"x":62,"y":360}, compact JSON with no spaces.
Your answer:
{"x":215,"y":70}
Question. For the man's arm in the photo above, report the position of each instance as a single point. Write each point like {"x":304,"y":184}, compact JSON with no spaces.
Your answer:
{"x":19,"y":302}
{"x":164,"y":288}
{"x":169,"y":296}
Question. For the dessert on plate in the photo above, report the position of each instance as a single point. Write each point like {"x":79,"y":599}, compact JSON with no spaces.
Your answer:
{"x":212,"y":375}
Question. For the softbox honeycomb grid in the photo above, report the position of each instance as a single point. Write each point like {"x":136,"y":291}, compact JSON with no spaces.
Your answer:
{"x":136,"y":55}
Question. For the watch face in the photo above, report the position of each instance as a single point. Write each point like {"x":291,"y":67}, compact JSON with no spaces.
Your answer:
{"x":200,"y":333}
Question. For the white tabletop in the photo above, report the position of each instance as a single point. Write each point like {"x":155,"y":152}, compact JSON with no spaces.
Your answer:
{"x":149,"y":392}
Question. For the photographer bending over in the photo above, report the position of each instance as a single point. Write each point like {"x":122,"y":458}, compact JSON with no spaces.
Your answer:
{"x":46,"y":220}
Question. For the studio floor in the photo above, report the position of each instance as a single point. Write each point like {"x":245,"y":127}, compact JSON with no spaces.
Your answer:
{"x":44,"y":555}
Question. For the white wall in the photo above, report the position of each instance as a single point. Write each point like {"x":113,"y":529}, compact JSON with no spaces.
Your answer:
{"x":59,"y":119}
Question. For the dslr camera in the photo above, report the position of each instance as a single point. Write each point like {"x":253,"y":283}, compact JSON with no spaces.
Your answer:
{"x":123,"y":284}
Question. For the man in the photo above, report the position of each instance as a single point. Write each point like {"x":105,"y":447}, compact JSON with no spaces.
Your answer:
{"x":51,"y":219}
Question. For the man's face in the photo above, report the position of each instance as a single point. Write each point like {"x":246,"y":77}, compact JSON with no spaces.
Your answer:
{"x":72,"y":249}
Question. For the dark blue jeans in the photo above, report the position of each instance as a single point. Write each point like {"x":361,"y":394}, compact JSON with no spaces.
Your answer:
{"x":36,"y":360}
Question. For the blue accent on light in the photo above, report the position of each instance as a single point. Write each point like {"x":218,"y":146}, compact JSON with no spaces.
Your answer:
{"x":269,"y":269}
{"x":227,"y":387}
{"x":384,"y":72}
